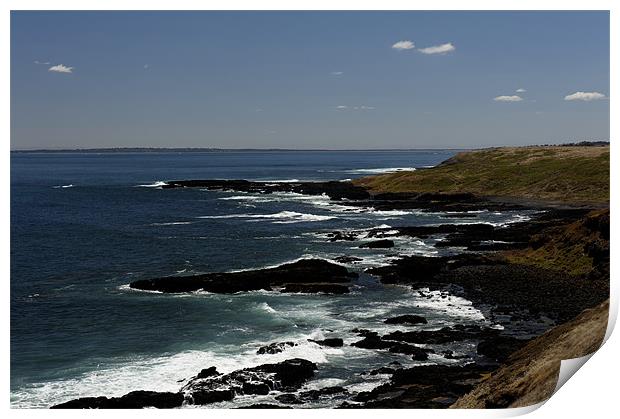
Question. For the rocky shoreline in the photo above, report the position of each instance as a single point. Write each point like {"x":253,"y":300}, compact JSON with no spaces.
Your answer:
{"x":525,"y":300}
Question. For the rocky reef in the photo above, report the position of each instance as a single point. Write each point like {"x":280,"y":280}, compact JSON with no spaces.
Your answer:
{"x":305,"y":275}
{"x":209,"y":386}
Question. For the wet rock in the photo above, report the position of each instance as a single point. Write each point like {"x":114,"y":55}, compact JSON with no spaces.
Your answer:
{"x":347,"y":259}
{"x":378,"y":244}
{"x":274,"y":348}
{"x":417,"y":354}
{"x":372,"y":342}
{"x":133,"y":400}
{"x":341,"y":236}
{"x":429,"y":386}
{"x":333,"y":342}
{"x":288,"y":375}
{"x":441,"y":336}
{"x":406,"y":319}
{"x":212,"y":396}
{"x":207,"y":372}
{"x":255,"y":387}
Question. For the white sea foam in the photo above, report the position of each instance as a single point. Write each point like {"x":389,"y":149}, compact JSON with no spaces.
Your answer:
{"x":156,"y":184}
{"x":381,"y":170}
{"x":282,"y":217}
{"x":63,"y":186}
{"x":282,"y":180}
{"x":154,"y":373}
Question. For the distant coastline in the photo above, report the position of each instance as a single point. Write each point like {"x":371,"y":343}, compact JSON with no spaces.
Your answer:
{"x":216,"y":150}
{"x":237,"y":150}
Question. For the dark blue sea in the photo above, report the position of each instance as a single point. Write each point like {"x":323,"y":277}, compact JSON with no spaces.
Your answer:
{"x":84,"y":225}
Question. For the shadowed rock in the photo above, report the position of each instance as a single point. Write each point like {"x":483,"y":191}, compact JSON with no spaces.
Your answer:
{"x":133,"y":400}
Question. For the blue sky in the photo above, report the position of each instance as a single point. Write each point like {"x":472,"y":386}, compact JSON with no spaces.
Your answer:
{"x":335,"y":80}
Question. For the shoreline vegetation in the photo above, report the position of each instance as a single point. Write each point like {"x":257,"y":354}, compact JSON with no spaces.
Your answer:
{"x":544,"y":280}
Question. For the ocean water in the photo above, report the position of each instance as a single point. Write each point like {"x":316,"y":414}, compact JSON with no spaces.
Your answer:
{"x":84,"y":225}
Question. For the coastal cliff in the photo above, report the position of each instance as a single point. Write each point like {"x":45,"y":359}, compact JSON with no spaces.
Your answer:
{"x":576,"y":252}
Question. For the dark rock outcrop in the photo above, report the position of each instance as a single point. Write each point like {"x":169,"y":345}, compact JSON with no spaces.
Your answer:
{"x":333,"y":342}
{"x":334,"y":189}
{"x":274,"y":348}
{"x":208,"y":387}
{"x":133,"y":400}
{"x":378,"y":244}
{"x":311,"y":275}
{"x":260,"y":380}
{"x":406,"y":319}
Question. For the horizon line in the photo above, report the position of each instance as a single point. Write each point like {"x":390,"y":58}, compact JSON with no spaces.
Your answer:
{"x":203,"y":149}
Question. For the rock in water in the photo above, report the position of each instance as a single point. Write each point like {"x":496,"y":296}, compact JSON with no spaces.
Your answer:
{"x":274,"y":348}
{"x":305,"y":275}
{"x":209,"y":386}
{"x":378,"y":244}
{"x":333,"y":342}
{"x":133,"y":400}
{"x":288,"y":375}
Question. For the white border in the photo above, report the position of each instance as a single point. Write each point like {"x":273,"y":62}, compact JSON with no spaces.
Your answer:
{"x":590,"y":393}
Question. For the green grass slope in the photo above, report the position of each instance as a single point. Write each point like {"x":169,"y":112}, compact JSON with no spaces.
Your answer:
{"x":542,"y":173}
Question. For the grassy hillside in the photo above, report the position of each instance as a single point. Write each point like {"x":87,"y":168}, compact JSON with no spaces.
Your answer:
{"x":531,"y":374}
{"x":561,"y":174}
{"x":579,"y":248}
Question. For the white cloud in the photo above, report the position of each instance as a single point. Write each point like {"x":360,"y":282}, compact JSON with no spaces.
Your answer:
{"x":585,"y":96}
{"x":61,"y":69}
{"x":403,"y":45}
{"x":146,"y":66}
{"x":341,"y":107}
{"x":337,"y":73}
{"x":438,"y":49}
{"x":520,"y":90}
{"x":505,"y":98}
{"x":41,"y":63}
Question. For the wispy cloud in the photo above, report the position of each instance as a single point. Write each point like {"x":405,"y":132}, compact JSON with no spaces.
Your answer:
{"x":520,"y":90}
{"x":60,"y":68}
{"x":585,"y":96}
{"x":438,"y":49}
{"x":403,"y":45}
{"x":355,"y":108}
{"x":505,"y":98}
{"x":41,"y":63}
{"x":146,"y":66}
{"x":337,"y":73}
